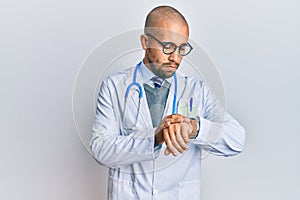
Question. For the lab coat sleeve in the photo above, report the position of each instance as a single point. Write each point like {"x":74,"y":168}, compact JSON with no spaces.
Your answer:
{"x":219,"y":133}
{"x":110,"y":145}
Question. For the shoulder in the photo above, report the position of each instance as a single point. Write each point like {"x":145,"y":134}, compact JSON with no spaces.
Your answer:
{"x":119,"y":77}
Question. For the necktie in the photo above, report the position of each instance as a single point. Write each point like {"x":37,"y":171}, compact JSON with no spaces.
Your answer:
{"x":157,"y":81}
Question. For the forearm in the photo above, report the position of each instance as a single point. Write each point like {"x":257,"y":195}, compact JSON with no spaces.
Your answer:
{"x":219,"y":132}
{"x":114,"y":150}
{"x":221,"y":138}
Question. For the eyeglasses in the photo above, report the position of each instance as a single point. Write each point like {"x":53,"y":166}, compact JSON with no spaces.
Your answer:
{"x":170,"y":47}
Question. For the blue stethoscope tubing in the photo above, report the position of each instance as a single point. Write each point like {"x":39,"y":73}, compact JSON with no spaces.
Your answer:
{"x":135,"y":83}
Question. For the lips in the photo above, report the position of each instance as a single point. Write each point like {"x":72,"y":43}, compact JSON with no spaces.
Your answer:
{"x":173,"y":66}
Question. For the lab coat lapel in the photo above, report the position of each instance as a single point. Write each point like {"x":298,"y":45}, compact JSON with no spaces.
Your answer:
{"x":144,"y":113}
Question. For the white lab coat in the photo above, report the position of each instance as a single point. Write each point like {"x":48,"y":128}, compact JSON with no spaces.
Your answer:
{"x":137,"y":169}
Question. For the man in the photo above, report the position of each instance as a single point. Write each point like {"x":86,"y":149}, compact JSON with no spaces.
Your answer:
{"x":146,"y":113}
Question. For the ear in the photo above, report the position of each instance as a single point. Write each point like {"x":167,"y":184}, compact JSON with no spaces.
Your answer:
{"x":144,"y":41}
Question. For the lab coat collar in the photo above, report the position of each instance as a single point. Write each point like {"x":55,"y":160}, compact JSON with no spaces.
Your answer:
{"x":146,"y":75}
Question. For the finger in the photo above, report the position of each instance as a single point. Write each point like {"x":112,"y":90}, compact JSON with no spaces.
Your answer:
{"x":167,"y":151}
{"x":173,"y":132}
{"x":163,"y":124}
{"x":174,"y":116}
{"x":185,"y":133}
{"x":184,"y":118}
{"x":181,"y":141}
{"x":167,"y":124}
{"x":189,"y":127}
{"x":179,"y":118}
{"x":168,"y":141}
{"x":174,"y":120}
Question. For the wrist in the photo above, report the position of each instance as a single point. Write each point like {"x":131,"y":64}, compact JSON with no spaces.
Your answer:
{"x":195,"y":125}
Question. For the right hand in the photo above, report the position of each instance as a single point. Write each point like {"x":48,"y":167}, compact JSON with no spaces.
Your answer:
{"x":174,"y":130}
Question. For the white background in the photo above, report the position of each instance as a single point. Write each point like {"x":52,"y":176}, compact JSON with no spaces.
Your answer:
{"x":255,"y":45}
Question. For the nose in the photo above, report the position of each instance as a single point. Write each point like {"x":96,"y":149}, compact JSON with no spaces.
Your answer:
{"x":175,"y":56}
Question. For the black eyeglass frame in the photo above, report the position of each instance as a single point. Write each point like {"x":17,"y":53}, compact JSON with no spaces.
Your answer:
{"x":164,"y":44}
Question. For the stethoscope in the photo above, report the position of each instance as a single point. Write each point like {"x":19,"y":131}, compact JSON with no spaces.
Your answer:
{"x":140,"y":90}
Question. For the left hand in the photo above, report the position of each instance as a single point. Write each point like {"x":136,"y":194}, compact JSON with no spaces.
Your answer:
{"x":177,"y":133}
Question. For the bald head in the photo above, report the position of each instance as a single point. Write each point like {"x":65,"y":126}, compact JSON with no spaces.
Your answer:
{"x":163,"y":17}
{"x":165,"y":28}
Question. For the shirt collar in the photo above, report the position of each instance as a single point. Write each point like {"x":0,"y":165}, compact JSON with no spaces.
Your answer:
{"x":146,"y":74}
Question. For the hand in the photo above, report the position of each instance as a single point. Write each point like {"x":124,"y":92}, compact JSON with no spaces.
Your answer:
{"x":165,"y":123}
{"x":176,"y":137}
{"x":175,"y":130}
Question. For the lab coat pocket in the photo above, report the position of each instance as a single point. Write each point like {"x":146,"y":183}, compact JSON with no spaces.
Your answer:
{"x":120,"y":189}
{"x":189,"y":190}
{"x":188,"y":108}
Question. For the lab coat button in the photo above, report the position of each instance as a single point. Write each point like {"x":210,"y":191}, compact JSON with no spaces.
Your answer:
{"x":155,"y":192}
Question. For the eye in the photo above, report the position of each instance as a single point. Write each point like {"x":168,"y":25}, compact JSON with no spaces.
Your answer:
{"x":185,"y":49}
{"x":183,"y":46}
{"x":169,"y":45}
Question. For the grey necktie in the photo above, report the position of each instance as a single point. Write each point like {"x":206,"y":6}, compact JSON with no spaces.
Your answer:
{"x":156,"y":98}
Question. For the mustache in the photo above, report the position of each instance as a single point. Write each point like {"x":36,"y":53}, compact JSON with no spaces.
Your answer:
{"x":171,"y":63}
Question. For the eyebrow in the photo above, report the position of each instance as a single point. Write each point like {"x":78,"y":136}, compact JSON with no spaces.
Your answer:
{"x":162,"y":43}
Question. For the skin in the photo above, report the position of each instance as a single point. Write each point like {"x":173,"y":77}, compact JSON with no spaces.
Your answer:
{"x":174,"y":130}
{"x":162,"y":65}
